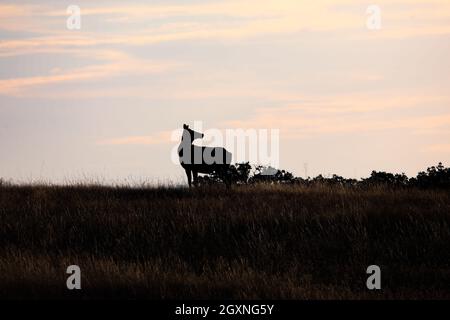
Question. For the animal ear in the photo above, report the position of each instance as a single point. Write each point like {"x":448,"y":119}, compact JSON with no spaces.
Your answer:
{"x":185,"y":126}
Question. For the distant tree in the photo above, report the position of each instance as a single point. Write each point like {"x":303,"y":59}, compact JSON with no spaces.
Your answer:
{"x":435,"y":177}
{"x":267,"y":174}
{"x":238,"y":174}
{"x":386,"y":179}
{"x":334,"y":180}
{"x":241,"y":173}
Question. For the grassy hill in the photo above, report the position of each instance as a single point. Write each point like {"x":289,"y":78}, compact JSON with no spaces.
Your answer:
{"x":257,"y":241}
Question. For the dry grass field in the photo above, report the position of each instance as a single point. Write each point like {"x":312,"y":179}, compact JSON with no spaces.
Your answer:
{"x":250,"y":242}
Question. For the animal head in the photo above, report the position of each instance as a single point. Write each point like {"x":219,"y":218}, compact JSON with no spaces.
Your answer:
{"x":191,"y":134}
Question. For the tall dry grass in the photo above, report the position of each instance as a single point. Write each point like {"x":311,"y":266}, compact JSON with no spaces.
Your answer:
{"x":276,"y":242}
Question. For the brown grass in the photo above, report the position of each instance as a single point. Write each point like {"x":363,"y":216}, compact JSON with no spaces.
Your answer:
{"x":251,"y":242}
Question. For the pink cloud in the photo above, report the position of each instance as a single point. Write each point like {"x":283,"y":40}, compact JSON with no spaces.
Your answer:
{"x":346,"y":114}
{"x":118,"y":64}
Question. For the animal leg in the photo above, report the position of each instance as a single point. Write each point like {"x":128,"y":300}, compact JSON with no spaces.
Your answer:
{"x":195,"y":174}
{"x":188,"y":173}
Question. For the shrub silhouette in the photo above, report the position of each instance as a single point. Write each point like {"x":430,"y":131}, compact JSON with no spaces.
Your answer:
{"x":265,"y":174}
{"x":238,"y":174}
{"x":335,"y":180}
{"x":241,"y":173}
{"x":434,"y":177}
{"x":386,"y":179}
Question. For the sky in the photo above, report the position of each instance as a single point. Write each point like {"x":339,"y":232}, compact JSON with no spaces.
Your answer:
{"x":99,"y":103}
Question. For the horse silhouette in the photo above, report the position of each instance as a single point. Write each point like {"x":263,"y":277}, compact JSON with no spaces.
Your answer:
{"x":198,"y":159}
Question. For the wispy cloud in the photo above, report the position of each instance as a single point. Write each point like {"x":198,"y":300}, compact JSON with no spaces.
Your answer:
{"x":161,"y":137}
{"x":117,"y":64}
{"x":348,"y":114}
{"x":218,"y":20}
{"x":316,"y":117}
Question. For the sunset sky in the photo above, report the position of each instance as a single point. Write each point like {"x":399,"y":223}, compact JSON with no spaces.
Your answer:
{"x":100,"y":103}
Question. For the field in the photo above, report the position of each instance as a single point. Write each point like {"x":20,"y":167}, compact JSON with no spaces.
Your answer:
{"x":250,"y":242}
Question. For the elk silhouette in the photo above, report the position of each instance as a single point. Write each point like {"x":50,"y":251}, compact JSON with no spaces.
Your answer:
{"x":198,"y":159}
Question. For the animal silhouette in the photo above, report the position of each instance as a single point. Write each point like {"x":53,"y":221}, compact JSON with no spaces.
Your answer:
{"x":198,"y":159}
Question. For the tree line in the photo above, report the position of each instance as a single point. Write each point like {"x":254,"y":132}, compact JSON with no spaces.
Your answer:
{"x":244,"y":173}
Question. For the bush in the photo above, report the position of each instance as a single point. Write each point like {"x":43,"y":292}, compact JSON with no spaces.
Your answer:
{"x":238,"y":174}
{"x":434,"y":177}
{"x":264,"y":174}
{"x":386,"y":179}
{"x":241,"y":173}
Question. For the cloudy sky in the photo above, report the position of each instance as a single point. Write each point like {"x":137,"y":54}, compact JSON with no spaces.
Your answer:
{"x":100,"y":103}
